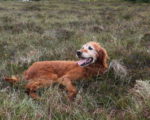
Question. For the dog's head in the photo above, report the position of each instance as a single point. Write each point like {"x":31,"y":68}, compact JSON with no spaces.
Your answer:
{"x":91,"y":53}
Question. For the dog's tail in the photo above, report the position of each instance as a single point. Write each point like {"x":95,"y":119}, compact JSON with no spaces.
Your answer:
{"x":13,"y":79}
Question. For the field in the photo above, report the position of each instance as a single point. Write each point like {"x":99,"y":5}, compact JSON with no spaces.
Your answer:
{"x":54,"y":30}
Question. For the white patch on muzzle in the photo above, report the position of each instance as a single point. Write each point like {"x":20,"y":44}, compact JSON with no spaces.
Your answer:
{"x":88,"y":57}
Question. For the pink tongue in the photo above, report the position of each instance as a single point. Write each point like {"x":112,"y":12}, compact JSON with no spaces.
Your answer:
{"x":80,"y":62}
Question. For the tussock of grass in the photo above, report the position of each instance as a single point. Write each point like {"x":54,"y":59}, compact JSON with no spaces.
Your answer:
{"x":54,"y":30}
{"x":119,"y":69}
{"x":142,"y":89}
{"x":20,"y":27}
{"x":145,"y":40}
{"x":140,"y":96}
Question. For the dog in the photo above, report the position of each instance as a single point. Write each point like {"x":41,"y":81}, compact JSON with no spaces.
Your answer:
{"x":93,"y":61}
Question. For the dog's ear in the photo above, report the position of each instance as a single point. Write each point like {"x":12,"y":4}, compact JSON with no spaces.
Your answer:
{"x":102,"y":57}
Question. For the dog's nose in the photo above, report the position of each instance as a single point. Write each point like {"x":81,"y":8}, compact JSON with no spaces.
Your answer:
{"x":78,"y":53}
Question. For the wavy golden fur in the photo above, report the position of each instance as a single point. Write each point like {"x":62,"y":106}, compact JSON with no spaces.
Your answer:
{"x":44,"y":73}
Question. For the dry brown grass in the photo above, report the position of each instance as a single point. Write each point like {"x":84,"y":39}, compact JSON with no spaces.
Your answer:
{"x":54,"y":30}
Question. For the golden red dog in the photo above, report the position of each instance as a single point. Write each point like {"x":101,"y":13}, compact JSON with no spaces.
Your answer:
{"x":93,"y":61}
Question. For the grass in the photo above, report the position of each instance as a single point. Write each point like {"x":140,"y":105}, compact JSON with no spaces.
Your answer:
{"x":54,"y":30}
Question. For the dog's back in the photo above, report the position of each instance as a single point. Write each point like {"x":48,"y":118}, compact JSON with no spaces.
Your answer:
{"x":45,"y":68}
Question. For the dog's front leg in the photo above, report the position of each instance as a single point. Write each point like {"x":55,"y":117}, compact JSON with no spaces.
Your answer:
{"x":72,"y":91}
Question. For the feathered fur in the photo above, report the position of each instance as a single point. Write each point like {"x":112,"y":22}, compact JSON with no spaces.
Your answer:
{"x":45,"y":73}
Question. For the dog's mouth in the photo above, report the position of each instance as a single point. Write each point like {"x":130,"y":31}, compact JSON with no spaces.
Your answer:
{"x":85,"y":61}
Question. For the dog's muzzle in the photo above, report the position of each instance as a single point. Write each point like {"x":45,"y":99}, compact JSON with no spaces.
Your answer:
{"x":78,"y":53}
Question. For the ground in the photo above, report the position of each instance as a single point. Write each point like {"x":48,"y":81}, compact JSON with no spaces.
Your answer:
{"x":54,"y":30}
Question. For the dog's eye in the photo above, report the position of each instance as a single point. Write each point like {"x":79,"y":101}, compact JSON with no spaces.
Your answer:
{"x":90,"y":48}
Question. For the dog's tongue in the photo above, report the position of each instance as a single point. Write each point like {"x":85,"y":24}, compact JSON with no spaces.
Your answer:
{"x":80,"y":62}
{"x":84,"y":61}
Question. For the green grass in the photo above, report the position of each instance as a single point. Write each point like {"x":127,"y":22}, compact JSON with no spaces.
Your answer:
{"x":54,"y":30}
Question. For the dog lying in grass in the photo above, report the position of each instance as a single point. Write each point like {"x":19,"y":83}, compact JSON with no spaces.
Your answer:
{"x":93,"y":61}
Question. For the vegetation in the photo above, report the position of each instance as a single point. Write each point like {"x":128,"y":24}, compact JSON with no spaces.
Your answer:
{"x":146,"y":1}
{"x":54,"y":30}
